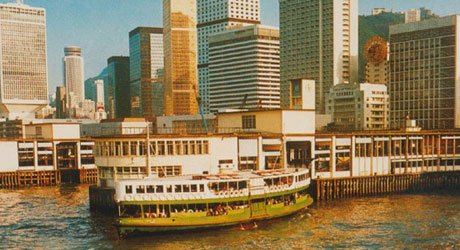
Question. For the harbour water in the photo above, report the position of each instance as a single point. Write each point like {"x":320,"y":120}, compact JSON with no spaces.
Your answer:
{"x":59,"y":218}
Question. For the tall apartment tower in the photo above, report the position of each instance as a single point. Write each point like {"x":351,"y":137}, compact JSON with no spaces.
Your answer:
{"x":99,"y":94}
{"x":180,"y":50}
{"x":119,"y":86}
{"x":424,"y":73}
{"x":146,"y":71}
{"x":244,"y":68}
{"x":23,"y":76}
{"x":73,"y":76}
{"x":60,"y":102}
{"x":319,"y":40}
{"x":215,"y":16}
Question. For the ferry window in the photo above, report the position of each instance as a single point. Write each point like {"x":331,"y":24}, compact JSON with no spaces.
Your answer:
{"x":170,"y":148}
{"x":178,"y":189}
{"x":185,"y":147}
{"x":125,"y":148}
{"x":193,"y":188}
{"x":223,"y":186}
{"x":169,"y":188}
{"x":192,"y":147}
{"x":290,"y":180}
{"x":213,"y":186}
{"x":159,"y":189}
{"x":153,"y":148}
{"x":133,"y":148}
{"x":268,"y":182}
{"x":178,"y":147}
{"x":232,"y":185}
{"x":142,"y":149}
{"x":140,"y":189}
{"x":186,"y":188}
{"x":128,"y":189}
{"x":205,"y":147}
{"x":201,"y":187}
{"x":161,"y":148}
{"x":150,"y":189}
{"x":242,"y":185}
{"x":199,"y":146}
{"x":126,"y":171}
{"x":117,"y":148}
{"x":296,"y":179}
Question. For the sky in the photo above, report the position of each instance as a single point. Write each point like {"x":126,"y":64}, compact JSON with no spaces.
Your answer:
{"x":101,"y":27}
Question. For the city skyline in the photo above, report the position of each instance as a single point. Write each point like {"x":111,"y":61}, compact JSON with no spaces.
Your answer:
{"x":80,"y":23}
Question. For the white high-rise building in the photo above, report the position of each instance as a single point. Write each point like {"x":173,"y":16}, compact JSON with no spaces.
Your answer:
{"x":99,"y":94}
{"x":244,"y":68}
{"x":23,"y":78}
{"x":74,"y":76}
{"x":215,"y":16}
{"x":319,"y":40}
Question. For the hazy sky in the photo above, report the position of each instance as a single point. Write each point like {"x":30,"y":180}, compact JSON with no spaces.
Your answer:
{"x":101,"y":27}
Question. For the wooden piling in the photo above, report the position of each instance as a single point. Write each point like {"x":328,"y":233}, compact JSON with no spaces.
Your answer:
{"x":338,"y":188}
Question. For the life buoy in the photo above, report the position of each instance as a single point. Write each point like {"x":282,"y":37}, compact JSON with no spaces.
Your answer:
{"x":221,"y":193}
{"x":128,"y":197}
{"x":138,"y":197}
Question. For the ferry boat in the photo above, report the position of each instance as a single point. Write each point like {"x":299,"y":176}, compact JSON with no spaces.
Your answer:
{"x":209,"y":201}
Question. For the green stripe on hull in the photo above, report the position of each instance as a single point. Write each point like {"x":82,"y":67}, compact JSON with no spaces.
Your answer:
{"x":234,"y":217}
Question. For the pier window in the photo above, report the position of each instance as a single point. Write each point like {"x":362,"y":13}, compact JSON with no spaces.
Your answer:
{"x":206,"y":147}
{"x":142,"y":148}
{"x":111,"y":151}
{"x":170,"y":147}
{"x":117,"y":148}
{"x":125,"y":148}
{"x":161,"y":148}
{"x":133,"y":148}
{"x":248,"y":162}
{"x":140,"y":189}
{"x":248,"y":121}
{"x":26,"y":157}
{"x":178,"y":146}
{"x":163,"y":171}
{"x":192,"y":147}
{"x":199,"y":146}
{"x":185,"y":147}
{"x":153,"y":147}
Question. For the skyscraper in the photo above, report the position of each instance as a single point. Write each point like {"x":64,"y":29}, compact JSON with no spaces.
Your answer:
{"x":73,"y":76}
{"x":424,"y":73}
{"x":23,"y":78}
{"x":215,"y":16}
{"x":180,"y":51}
{"x":119,"y":86}
{"x":319,"y":40}
{"x":146,"y":71}
{"x":60,"y":102}
{"x":244,"y":68}
{"x":99,"y":94}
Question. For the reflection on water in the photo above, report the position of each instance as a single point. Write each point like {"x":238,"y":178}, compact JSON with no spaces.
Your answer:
{"x":58,"y":217}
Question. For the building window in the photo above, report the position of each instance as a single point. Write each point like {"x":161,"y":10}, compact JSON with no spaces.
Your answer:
{"x":249,"y":121}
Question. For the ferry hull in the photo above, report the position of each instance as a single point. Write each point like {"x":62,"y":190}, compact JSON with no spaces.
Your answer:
{"x":128,"y":226}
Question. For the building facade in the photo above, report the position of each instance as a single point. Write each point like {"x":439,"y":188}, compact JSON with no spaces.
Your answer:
{"x":319,"y":40}
{"x":377,"y":73}
{"x":411,"y":16}
{"x":217,"y":16}
{"x":119,"y":86}
{"x":362,"y":106}
{"x":74,"y":76}
{"x":23,"y":61}
{"x":146,"y":71}
{"x":424,"y":73}
{"x":180,"y":54}
{"x":61,"y":107}
{"x":244,"y":68}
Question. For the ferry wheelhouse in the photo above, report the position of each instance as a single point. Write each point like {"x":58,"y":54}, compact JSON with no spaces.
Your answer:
{"x":206,"y":201}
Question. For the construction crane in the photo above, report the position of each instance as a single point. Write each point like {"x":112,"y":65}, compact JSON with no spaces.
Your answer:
{"x":200,"y":108}
{"x":245,"y":99}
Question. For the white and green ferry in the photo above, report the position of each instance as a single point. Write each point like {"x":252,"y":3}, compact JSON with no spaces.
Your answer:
{"x":208,"y":201}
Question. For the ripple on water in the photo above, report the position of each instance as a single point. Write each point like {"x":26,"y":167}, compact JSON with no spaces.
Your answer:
{"x":58,"y":218}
